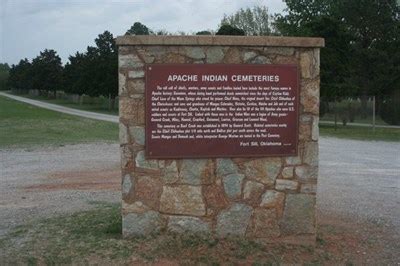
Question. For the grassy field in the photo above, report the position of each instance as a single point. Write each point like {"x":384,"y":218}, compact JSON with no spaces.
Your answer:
{"x":94,"y":237}
{"x":360,"y":133}
{"x":24,"y":125}
{"x":94,"y":107}
{"x":368,"y":120}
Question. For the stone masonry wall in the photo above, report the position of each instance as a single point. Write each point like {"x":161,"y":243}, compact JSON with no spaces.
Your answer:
{"x":271,"y":197}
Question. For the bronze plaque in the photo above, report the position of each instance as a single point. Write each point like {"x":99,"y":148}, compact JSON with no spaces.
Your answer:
{"x":195,"y":111}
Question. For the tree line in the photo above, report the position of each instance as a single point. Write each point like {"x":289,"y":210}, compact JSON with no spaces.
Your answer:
{"x":361,"y":57}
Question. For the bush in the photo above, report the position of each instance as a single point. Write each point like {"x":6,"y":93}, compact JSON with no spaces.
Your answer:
{"x":230,"y":30}
{"x":390,"y":112}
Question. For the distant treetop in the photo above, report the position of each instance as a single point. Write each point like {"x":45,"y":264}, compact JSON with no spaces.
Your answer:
{"x":138,"y":29}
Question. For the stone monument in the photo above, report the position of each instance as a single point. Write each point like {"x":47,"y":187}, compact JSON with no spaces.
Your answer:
{"x":219,"y":135}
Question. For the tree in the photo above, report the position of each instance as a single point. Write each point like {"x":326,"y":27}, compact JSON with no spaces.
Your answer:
{"x":20,"y":76}
{"x":253,"y":21}
{"x":299,"y":13}
{"x":203,"y":32}
{"x":374,"y":28}
{"x":47,"y":71}
{"x":162,"y":32}
{"x":360,"y":57}
{"x":138,"y":29}
{"x":94,"y":72}
{"x":75,"y":74}
{"x":4,"y":74}
{"x":107,"y":66}
{"x":229,"y":30}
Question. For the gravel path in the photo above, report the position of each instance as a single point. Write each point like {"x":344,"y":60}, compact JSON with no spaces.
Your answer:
{"x":361,"y":180}
{"x":358,"y":179}
{"x":50,"y":181}
{"x":62,"y":109}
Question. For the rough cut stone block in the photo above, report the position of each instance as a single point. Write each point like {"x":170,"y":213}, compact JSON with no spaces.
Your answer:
{"x":306,"y":118}
{"x":192,"y":171}
{"x":282,"y":184}
{"x":136,"y":207}
{"x":127,"y":185}
{"x":293,"y":160}
{"x":187,"y":224}
{"x":141,"y":162}
{"x":316,"y":63}
{"x":308,"y":188}
{"x":126,"y":157}
{"x":310,"y":156}
{"x":195,"y":52}
{"x":148,"y":191}
{"x":309,"y":96}
{"x":279,"y":51}
{"x":306,"y":173}
{"x":215,"y":197}
{"x":252,"y":191}
{"x":308,"y":65}
{"x":140,"y":112}
{"x":263,"y":170}
{"x":170,"y":173}
{"x":232,"y":56}
{"x":135,"y":74}
{"x":261,"y":60}
{"x":128,"y":108}
{"x":148,"y":59}
{"x":272,"y":199}
{"x":315,"y":128}
{"x":173,"y":58}
{"x":141,"y":224}
{"x":264,"y":224}
{"x":282,"y":59}
{"x":121,"y":83}
{"x":214,"y":55}
{"x":287,"y":172}
{"x":130,"y":61}
{"x":234,"y":221}
{"x":233,"y":185}
{"x":182,"y":199}
{"x":123,"y":134}
{"x":299,"y":215}
{"x":136,"y":86}
{"x":304,"y":132}
{"x":226,"y":167}
{"x":249,"y":55}
{"x":137,"y":134}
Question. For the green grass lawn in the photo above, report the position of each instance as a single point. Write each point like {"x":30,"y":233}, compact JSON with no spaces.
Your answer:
{"x":360,"y":133}
{"x":368,"y":120}
{"x":24,"y":125}
{"x":94,"y":237}
{"x":94,"y":107}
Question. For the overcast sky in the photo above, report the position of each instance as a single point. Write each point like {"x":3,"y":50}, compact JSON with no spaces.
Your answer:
{"x":30,"y":26}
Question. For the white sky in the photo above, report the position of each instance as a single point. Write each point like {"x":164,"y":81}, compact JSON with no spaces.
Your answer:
{"x":30,"y":26}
